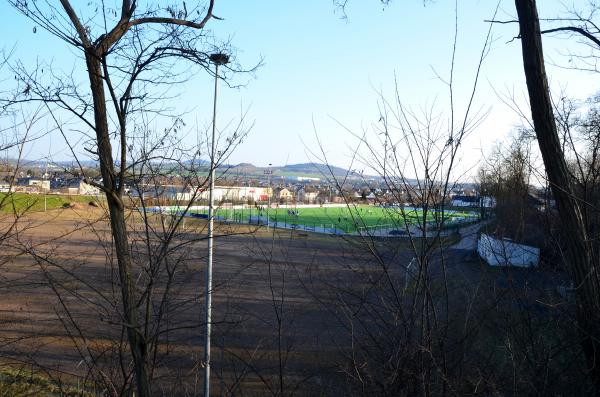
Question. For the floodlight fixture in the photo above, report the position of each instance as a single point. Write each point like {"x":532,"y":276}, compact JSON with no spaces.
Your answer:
{"x":219,"y":58}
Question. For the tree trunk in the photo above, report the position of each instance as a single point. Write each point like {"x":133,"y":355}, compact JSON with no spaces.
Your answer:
{"x":579,"y":256}
{"x":138,"y":345}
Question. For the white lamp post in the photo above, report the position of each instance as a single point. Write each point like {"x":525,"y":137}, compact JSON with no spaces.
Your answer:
{"x":268,"y":172}
{"x":218,"y":59}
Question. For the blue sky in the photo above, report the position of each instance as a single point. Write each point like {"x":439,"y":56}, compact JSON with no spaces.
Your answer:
{"x":321,"y":70}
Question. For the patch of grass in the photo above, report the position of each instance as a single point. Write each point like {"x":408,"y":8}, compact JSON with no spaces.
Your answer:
{"x":21,"y":383}
{"x":24,"y":202}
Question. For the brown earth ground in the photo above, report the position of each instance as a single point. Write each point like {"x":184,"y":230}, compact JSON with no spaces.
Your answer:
{"x":274,"y":326}
{"x":59,"y":284}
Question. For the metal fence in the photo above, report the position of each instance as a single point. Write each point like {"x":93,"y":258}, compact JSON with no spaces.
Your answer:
{"x":260,"y":218}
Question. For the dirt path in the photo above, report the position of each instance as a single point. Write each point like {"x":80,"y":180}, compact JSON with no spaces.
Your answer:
{"x":468,"y":237}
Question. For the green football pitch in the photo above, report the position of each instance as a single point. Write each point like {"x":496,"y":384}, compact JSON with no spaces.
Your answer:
{"x":340,"y":218}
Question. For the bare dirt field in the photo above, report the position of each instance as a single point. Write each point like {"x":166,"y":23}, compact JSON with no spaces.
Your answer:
{"x":284,"y":310}
{"x":59,"y":295}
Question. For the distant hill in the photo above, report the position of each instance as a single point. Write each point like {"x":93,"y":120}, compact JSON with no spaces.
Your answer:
{"x":314,"y":170}
{"x":244,"y":168}
{"x":54,"y":164}
{"x":311,"y":170}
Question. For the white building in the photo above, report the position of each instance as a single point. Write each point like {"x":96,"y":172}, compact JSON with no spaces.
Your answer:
{"x":308,"y":179}
{"x":465,"y":201}
{"x":238,"y":193}
{"x":40,"y":183}
{"x":307,"y":194}
{"x":82,"y":188}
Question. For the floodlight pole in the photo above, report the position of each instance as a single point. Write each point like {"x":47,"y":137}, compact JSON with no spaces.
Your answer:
{"x":268,"y":193}
{"x":217,"y":59}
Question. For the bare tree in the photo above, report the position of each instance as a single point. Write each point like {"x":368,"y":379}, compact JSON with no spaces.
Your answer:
{"x":506,"y":176}
{"x":580,"y":257}
{"x":128,"y":54}
{"x":19,"y":126}
{"x":399,"y":310}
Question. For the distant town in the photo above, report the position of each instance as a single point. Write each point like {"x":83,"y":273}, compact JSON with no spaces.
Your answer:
{"x":247,"y":184}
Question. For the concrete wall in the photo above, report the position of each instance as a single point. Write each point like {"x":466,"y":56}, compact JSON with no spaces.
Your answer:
{"x":238,"y":193}
{"x":506,"y":253}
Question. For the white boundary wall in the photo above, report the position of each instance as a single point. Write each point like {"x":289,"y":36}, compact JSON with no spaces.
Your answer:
{"x":173,"y":208}
{"x":506,"y":253}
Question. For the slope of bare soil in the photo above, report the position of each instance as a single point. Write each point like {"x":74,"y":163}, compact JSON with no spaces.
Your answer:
{"x":288,"y":309}
{"x":60,"y":287}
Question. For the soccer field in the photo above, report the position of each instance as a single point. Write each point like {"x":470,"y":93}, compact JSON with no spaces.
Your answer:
{"x":340,"y":218}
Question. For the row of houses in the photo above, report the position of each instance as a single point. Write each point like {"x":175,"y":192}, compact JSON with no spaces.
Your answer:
{"x":310,"y":194}
{"x":325,"y":194}
{"x":77,"y":186}
{"x":251,"y":193}
{"x":305,"y":193}
{"x":224,"y":193}
{"x":73,"y":186}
